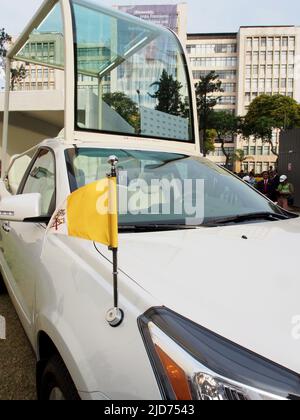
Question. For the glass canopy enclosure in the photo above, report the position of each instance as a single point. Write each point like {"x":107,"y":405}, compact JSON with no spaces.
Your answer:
{"x":130,"y":77}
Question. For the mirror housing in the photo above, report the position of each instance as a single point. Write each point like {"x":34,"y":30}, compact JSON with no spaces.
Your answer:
{"x":19,"y":208}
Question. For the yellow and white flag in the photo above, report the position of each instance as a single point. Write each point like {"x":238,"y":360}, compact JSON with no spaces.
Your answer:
{"x":90,"y":213}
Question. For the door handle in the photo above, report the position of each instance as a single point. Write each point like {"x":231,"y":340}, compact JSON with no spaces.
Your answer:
{"x":6,"y":227}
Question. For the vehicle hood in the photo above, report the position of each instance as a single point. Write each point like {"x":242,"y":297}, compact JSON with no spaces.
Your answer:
{"x":241,"y":282}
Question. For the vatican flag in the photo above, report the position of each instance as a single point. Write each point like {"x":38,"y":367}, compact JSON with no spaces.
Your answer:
{"x":90,"y":213}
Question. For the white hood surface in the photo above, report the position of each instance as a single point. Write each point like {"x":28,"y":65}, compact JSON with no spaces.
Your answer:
{"x":246,"y":290}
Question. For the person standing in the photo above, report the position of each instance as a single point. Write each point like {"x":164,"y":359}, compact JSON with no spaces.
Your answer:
{"x":275,"y":178}
{"x":266,"y":186}
{"x":285,"y":191}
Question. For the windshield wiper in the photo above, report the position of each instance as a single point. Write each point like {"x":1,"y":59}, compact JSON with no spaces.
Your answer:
{"x":154,"y":227}
{"x":247,"y":217}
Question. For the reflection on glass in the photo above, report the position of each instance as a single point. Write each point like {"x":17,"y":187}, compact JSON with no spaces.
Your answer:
{"x":46,"y":43}
{"x":224,"y":195}
{"x":132,"y":76}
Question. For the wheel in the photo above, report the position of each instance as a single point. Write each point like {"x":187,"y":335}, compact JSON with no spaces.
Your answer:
{"x":56,"y":383}
{"x":3,"y":289}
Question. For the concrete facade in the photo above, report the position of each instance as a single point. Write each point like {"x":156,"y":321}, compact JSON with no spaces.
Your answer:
{"x":254,"y":61}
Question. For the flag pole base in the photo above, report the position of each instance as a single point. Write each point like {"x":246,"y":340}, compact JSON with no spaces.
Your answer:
{"x":115,"y":317}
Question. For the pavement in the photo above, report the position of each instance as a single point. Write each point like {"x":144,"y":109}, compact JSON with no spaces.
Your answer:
{"x":17,"y":361}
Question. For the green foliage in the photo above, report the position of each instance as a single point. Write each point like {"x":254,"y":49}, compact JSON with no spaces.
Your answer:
{"x":267,"y":113}
{"x":206,"y":99}
{"x":125,"y":107}
{"x":17,"y":75}
{"x":168,"y":95}
{"x":239,"y":156}
{"x":211,"y":136}
{"x":226,"y":125}
{"x":282,"y":111}
{"x":19,"y":72}
{"x":4,"y":40}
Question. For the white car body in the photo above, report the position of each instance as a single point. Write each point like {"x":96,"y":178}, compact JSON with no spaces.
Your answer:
{"x":62,"y":287}
{"x":237,"y":281}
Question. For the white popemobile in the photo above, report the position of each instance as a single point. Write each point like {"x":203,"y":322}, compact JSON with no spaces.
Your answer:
{"x":210,"y":303}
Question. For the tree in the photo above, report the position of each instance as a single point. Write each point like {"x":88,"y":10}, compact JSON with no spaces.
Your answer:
{"x":125,"y":107}
{"x":19,"y":72}
{"x":239,"y":156}
{"x":211,"y":136}
{"x":168,"y":95}
{"x":226,"y":125}
{"x":5,"y":39}
{"x":267,"y":113}
{"x":206,"y":101}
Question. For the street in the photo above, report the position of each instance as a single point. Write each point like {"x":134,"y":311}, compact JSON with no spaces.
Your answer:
{"x":17,"y":362}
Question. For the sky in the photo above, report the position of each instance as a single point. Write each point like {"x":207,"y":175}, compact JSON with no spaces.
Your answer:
{"x":224,"y":16}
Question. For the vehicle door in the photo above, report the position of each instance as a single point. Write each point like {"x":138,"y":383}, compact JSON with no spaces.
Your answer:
{"x":23,"y":242}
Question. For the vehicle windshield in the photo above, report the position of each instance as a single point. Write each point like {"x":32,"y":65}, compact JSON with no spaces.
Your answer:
{"x":167,"y":188}
{"x":132,"y":76}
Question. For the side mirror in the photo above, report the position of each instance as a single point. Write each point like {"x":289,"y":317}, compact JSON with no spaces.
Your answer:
{"x":19,"y":208}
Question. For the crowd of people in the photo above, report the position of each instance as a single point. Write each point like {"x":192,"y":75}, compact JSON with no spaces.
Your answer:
{"x":277,"y":188}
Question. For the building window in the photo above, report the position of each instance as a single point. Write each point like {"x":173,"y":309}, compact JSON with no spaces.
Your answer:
{"x":290,"y":84}
{"x":255,"y":85}
{"x":276,"y":84}
{"x":266,"y":150}
{"x":229,"y":87}
{"x":256,"y":44}
{"x":276,"y":56}
{"x":270,"y":43}
{"x":263,"y":71}
{"x":249,"y":44}
{"x":269,"y":70}
{"x":247,"y":98}
{"x":253,"y":150}
{"x":255,"y":57}
{"x":227,"y":100}
{"x":258,"y":168}
{"x":263,"y":42}
{"x":270,"y":56}
{"x":283,"y":83}
{"x":261,"y":85}
{"x":262,"y":56}
{"x":259,"y":150}
{"x":284,"y":56}
{"x":291,"y":57}
{"x":292,"y":43}
{"x":248,"y":71}
{"x":276,"y":70}
{"x":291,"y":70}
{"x":214,"y":62}
{"x":277,"y":43}
{"x":285,"y":42}
{"x":255,"y":70}
{"x":269,"y":85}
{"x":248,"y":85}
{"x":283,"y":71}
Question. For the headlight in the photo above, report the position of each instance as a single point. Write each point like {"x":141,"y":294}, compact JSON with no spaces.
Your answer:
{"x":192,"y":363}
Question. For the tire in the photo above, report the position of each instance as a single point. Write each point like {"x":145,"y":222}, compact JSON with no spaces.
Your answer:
{"x":3,"y":290}
{"x":56,"y":383}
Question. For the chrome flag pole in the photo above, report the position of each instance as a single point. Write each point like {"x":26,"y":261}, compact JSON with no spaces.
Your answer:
{"x":115,"y":316}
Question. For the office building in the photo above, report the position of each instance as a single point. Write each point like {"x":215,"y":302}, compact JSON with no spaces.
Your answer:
{"x":254,"y":61}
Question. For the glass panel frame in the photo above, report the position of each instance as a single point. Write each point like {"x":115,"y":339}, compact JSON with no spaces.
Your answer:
{"x":190,"y":137}
{"x":47,"y":36}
